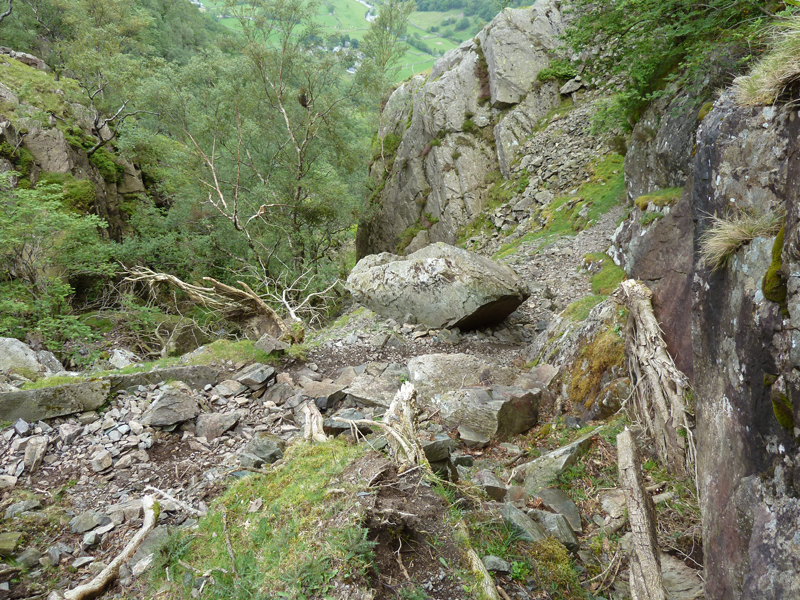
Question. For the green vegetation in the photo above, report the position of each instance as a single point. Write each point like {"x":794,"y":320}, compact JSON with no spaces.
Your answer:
{"x":659,"y":198}
{"x":667,"y":41}
{"x":649,"y":217}
{"x":774,"y":77}
{"x":426,"y":221}
{"x":278,"y":549}
{"x":547,"y":563}
{"x":559,"y":70}
{"x":725,"y":235}
{"x":782,"y":408}
{"x":605,"y":189}
{"x":608,"y":278}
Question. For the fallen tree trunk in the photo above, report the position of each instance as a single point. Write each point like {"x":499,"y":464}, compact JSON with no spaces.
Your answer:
{"x":659,"y":397}
{"x":645,"y":565}
{"x":231,"y":302}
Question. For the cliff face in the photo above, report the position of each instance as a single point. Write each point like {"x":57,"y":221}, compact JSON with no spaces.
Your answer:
{"x":746,"y":357}
{"x":739,"y":346}
{"x":445,"y":133}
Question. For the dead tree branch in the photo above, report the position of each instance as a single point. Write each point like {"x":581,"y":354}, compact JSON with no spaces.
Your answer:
{"x":229,"y":301}
{"x":95,"y":587}
{"x":400,"y":422}
{"x":646,"y":580}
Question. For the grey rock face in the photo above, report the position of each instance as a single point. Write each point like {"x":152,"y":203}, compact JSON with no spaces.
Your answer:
{"x":213,"y":425}
{"x":527,"y":528}
{"x":378,"y":385}
{"x":497,"y":412}
{"x":174,"y":405}
{"x":18,"y":356}
{"x":256,"y":375}
{"x":539,"y":473}
{"x":516,"y":46}
{"x":443,"y":123}
{"x":558,"y":501}
{"x":434,"y":374}
{"x":264,"y":447}
{"x":747,"y":362}
{"x":442,"y":286}
{"x":34,"y":453}
{"x":267,"y":343}
{"x":556,"y":526}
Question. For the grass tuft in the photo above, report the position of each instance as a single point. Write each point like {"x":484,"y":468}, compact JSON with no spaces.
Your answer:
{"x":727,"y":234}
{"x":777,"y":74}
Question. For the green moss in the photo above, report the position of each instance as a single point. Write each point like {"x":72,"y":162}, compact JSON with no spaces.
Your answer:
{"x":773,"y":285}
{"x":580,"y":309}
{"x":659,"y":198}
{"x":605,"y":351}
{"x":704,"y":110}
{"x":782,"y":407}
{"x":436,"y":142}
{"x":108,"y":167}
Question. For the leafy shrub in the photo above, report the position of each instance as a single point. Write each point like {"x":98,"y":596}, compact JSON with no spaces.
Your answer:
{"x":664,"y":40}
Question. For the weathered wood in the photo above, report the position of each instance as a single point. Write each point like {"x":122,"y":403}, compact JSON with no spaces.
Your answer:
{"x":659,"y":398}
{"x":96,"y":586}
{"x":401,"y":424}
{"x":645,"y":564}
{"x":312,"y":428}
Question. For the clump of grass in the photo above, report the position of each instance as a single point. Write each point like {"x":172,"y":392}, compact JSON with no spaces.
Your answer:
{"x":727,"y":234}
{"x":777,"y":74}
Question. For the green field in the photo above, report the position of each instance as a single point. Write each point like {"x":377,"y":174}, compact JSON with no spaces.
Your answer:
{"x":346,"y":17}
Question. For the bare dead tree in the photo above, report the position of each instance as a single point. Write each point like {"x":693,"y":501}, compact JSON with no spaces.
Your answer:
{"x":8,"y":12}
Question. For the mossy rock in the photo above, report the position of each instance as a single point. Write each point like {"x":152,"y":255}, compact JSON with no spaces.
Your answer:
{"x":773,"y":286}
{"x":782,"y":407}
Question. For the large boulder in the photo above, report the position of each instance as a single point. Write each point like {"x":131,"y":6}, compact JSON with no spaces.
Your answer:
{"x":57,"y":401}
{"x":18,"y":357}
{"x":175,"y":404}
{"x":496,"y":412}
{"x":442,"y":286}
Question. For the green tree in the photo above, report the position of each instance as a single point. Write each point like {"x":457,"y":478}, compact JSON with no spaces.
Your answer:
{"x":382,"y":43}
{"x":42,"y":246}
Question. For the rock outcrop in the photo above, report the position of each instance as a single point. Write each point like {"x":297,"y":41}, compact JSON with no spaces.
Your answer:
{"x":440,"y":285}
{"x":746,"y":358}
{"x":442,"y":135}
{"x":114,"y":181}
